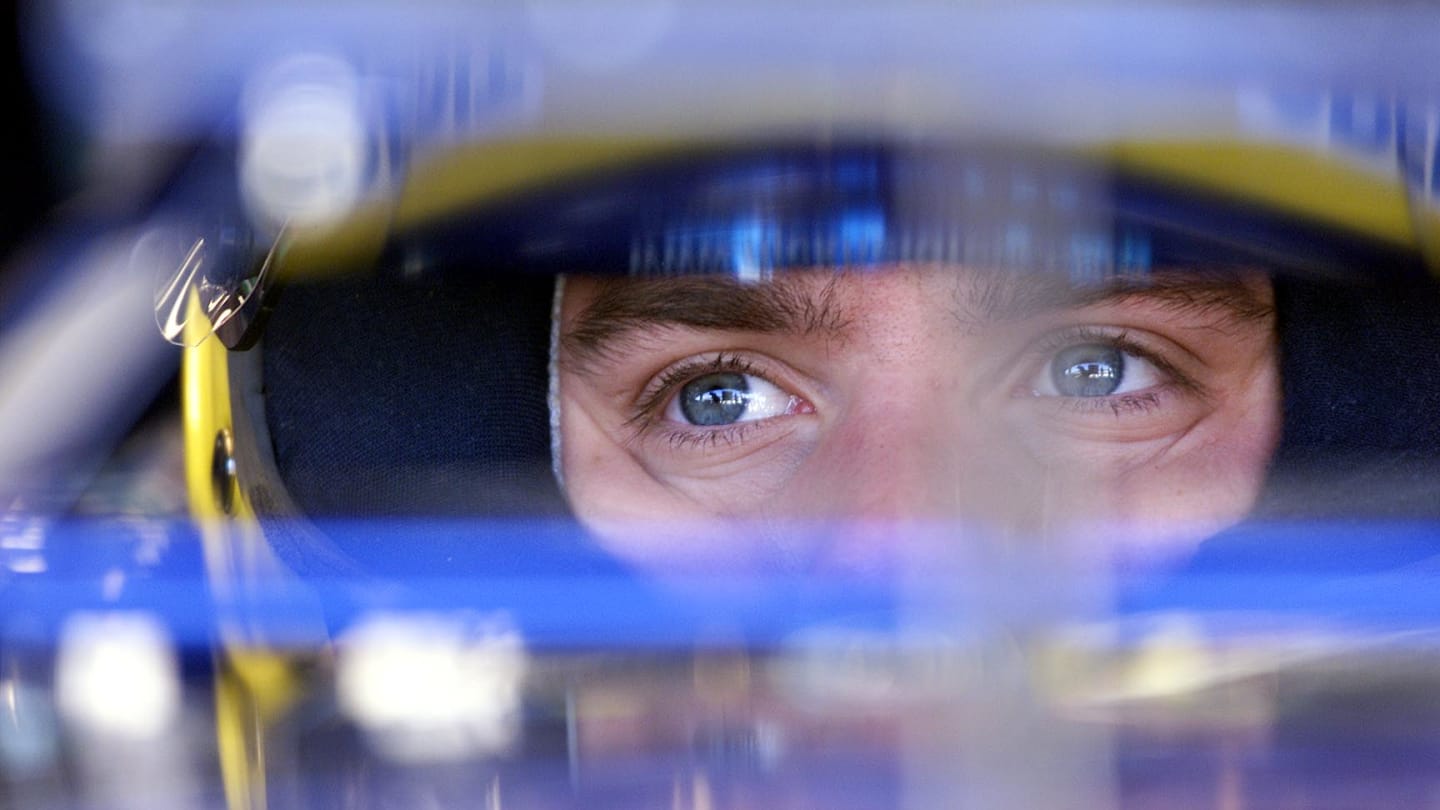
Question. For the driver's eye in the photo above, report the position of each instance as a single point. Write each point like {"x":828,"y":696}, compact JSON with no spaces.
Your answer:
{"x":726,"y":397}
{"x":1096,"y":370}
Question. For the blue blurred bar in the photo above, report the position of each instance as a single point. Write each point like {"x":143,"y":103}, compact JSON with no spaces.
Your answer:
{"x":1371,"y":578}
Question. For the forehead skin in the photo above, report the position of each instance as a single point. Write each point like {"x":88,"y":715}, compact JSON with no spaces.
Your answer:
{"x":912,"y":377}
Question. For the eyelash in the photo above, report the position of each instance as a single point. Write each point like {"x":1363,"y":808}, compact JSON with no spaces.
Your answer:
{"x":1119,"y":406}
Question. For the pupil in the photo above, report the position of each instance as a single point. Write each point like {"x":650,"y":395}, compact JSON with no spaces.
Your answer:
{"x":715,"y":399}
{"x":1092,"y":370}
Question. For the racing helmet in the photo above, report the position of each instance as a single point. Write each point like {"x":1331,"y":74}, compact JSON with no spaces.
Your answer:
{"x":352,"y":379}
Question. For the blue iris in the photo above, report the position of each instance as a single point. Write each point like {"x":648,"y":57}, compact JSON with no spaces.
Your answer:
{"x":1090,"y":370}
{"x":715,"y":399}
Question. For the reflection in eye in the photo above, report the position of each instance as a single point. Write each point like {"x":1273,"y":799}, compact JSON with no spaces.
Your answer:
{"x":1087,"y":371}
{"x":1096,"y":370}
{"x":726,"y":397}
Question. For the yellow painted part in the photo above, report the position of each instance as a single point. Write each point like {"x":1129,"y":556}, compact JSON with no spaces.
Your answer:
{"x":337,"y":249}
{"x":205,"y":392}
{"x":467,"y":176}
{"x":241,"y":765}
{"x":492,"y":170}
{"x":1309,"y":184}
{"x":269,"y":678}
{"x":251,"y":688}
{"x":205,"y":386}
{"x":1428,"y":236}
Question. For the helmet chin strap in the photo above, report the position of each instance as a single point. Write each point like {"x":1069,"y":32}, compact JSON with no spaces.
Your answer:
{"x":557,"y":300}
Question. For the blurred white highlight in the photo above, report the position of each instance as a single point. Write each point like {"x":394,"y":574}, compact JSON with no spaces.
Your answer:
{"x":116,"y":675}
{"x":834,"y":668}
{"x":428,"y":687}
{"x":601,"y":37}
{"x":74,"y":371}
{"x":22,"y":544}
{"x":303,"y":143}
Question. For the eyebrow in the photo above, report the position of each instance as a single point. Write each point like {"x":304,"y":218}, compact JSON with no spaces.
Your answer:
{"x":623,"y":308}
{"x":1223,"y":295}
{"x":795,"y":305}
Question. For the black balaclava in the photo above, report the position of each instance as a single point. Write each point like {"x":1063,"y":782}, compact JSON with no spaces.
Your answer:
{"x":401,"y":412}
{"x":1354,"y":485}
{"x":1360,"y":365}
{"x":387,"y":398}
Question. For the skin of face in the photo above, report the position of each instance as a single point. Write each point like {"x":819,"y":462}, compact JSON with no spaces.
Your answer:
{"x":918,"y":396}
